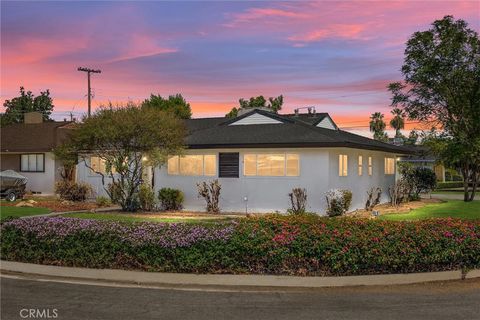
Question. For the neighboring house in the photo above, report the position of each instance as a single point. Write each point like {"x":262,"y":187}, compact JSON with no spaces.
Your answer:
{"x":260,"y":156}
{"x":422,"y":157}
{"x":27,"y":148}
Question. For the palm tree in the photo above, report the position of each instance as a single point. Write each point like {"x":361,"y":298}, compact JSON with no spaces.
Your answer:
{"x":397,"y":122}
{"x":377,"y":126}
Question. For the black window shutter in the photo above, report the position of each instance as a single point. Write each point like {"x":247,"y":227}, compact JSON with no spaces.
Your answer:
{"x":228,"y":165}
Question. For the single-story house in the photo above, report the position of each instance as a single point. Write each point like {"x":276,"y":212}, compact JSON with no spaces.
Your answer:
{"x":27,"y":148}
{"x":259,"y":156}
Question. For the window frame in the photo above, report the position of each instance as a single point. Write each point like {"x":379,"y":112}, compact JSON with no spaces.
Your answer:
{"x":343,"y":165}
{"x":36,"y":161}
{"x":285,"y":163}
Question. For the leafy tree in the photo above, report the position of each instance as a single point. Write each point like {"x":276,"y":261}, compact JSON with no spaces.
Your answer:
{"x":175,"y":103}
{"x":27,"y":102}
{"x":274,"y":104}
{"x":377,"y":126}
{"x":397,"y":122}
{"x":126,"y":138}
{"x":412,"y":138}
{"x":441,"y":86}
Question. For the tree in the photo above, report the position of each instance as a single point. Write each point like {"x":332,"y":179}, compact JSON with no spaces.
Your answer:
{"x":441,"y":86}
{"x":175,"y":103}
{"x":274,"y":104}
{"x":27,"y":102}
{"x":412,"y":138}
{"x":397,"y":122}
{"x":377,"y":126}
{"x":126,"y":138}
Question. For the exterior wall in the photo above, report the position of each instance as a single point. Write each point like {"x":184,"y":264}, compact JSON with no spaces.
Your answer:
{"x":84,"y":174}
{"x":359,"y":185}
{"x":39,"y":182}
{"x":318,"y":174}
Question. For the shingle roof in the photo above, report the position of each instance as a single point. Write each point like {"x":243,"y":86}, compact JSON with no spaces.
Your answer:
{"x":35,"y":137}
{"x":296,"y":131}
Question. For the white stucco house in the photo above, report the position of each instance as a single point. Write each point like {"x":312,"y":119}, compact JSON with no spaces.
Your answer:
{"x":259,"y":156}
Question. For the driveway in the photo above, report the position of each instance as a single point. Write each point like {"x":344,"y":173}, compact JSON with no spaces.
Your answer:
{"x":447,"y":300}
{"x":450,"y":196}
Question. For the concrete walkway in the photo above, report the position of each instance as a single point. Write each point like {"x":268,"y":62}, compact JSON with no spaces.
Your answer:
{"x":449,"y":196}
{"x":228,"y":279}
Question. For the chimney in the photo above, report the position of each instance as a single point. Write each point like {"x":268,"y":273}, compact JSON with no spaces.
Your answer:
{"x":296,"y":112}
{"x":32,"y":117}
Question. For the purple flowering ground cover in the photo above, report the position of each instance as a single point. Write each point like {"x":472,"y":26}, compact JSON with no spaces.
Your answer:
{"x":291,"y":245}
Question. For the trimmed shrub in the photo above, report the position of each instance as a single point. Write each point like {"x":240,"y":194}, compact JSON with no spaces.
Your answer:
{"x":102,"y":201}
{"x":303,"y":245}
{"x":146,"y":197}
{"x":211,"y":193}
{"x":115,"y":192}
{"x":338,"y":202}
{"x":449,"y":185}
{"x":298,"y":200}
{"x":170,"y":199}
{"x":73,"y":191}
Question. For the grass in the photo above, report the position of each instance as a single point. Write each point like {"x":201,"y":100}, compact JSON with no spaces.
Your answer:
{"x":448,"y":209}
{"x":125,"y":217}
{"x":17,"y":212}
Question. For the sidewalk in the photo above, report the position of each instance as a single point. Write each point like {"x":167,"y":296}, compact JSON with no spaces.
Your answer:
{"x":149,"y":278}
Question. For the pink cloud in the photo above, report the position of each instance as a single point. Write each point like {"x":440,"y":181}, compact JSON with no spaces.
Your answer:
{"x":346,"y":31}
{"x":265,"y":14}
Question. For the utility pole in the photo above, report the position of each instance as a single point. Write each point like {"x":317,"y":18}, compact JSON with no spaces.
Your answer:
{"x":88,"y":71}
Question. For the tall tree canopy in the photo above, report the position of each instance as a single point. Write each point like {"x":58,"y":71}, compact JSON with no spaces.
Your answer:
{"x":175,"y":103}
{"x":274,"y":104}
{"x":377,"y":126}
{"x":126,"y":138}
{"x":441,"y":86}
{"x":27,"y":102}
{"x":397,"y":122}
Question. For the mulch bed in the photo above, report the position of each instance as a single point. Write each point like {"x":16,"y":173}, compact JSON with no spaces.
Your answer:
{"x":388,"y":209}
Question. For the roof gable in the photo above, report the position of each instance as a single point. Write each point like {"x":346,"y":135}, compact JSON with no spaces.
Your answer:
{"x":255,"y":117}
{"x":327,"y":123}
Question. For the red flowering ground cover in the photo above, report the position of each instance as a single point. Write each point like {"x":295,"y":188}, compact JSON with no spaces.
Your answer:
{"x":292,"y":245}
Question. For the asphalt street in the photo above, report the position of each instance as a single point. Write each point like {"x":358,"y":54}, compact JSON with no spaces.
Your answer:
{"x":446,"y":300}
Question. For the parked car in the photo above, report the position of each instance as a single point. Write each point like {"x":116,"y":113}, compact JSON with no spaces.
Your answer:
{"x":12,"y":185}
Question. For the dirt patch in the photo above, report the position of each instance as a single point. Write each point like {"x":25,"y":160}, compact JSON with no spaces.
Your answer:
{"x":388,"y":209}
{"x":180,"y":215}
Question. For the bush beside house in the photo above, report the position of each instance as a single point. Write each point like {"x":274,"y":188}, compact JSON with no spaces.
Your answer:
{"x":291,"y":245}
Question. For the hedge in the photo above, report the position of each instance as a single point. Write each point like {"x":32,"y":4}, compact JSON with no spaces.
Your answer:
{"x":449,"y":184}
{"x":292,"y":245}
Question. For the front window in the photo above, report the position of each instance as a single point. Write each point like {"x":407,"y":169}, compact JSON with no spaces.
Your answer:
{"x":389,"y":165}
{"x":32,"y":162}
{"x":342,"y":165}
{"x":360,"y":165}
{"x":192,"y":165}
{"x":271,"y":165}
{"x":370,"y":166}
{"x":97,"y":165}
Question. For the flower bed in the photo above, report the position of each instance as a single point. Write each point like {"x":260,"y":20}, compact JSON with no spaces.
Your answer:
{"x":296,"y":245}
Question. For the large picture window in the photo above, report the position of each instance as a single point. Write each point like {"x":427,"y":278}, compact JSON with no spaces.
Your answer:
{"x":389,"y":166}
{"x":32,"y":162}
{"x":342,"y":165}
{"x":271,"y":165}
{"x":98,"y":166}
{"x":192,"y":165}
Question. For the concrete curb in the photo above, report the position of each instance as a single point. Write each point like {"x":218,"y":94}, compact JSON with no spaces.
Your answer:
{"x":139,"y":277}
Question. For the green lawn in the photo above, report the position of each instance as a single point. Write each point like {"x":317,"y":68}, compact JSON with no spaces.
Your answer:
{"x":125,"y":217}
{"x":452,"y":209}
{"x":17,"y":212}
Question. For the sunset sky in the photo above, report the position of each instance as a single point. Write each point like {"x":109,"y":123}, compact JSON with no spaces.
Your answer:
{"x":337,"y":56}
